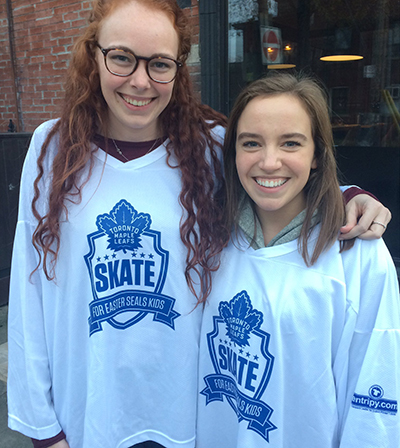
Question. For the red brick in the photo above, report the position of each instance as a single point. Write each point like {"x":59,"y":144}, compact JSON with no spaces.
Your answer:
{"x":50,"y":27}
{"x":40,"y":101}
{"x":79,"y":23}
{"x":65,"y":41}
{"x":20,"y":19}
{"x":46,"y":21}
{"x":57,"y":34}
{"x":74,"y":7}
{"x":47,"y":5}
{"x":27,"y":88}
{"x":39,"y":52}
{"x":37,"y":44}
{"x":24,"y":25}
{"x":6,"y":90}
{"x":45,"y":87}
{"x":49,"y":94}
{"x":23,"y":10}
{"x":72,"y":32}
{"x":59,"y":65}
{"x":58,"y":50}
{"x":70,"y":16}
{"x":51,"y":108}
{"x":84,"y":15}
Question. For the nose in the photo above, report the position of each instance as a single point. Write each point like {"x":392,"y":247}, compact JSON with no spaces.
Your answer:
{"x":139,"y":78}
{"x":270,"y":159}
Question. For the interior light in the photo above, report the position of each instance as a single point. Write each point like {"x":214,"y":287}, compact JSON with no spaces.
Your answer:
{"x":342,"y":57}
{"x":280,"y":66}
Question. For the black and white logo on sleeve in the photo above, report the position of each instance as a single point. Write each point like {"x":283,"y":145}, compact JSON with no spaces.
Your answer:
{"x":375,"y":401}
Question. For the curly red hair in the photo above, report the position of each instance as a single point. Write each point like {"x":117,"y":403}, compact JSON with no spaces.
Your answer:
{"x":188,"y":125}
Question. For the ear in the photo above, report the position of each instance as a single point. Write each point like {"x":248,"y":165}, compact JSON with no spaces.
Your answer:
{"x":314,"y":164}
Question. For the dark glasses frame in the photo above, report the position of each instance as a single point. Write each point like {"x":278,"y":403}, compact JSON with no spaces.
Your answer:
{"x":105,"y":51}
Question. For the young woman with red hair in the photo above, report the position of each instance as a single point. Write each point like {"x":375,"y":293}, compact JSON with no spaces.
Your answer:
{"x":118,"y":199}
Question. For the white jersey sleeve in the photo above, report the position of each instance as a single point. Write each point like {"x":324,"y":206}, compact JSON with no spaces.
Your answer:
{"x":29,"y":379}
{"x":370,"y":415}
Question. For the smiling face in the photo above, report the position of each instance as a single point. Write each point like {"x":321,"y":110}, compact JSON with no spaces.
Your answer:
{"x":136,"y":102}
{"x":274,"y":157}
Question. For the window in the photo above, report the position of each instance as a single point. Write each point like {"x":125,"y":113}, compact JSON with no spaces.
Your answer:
{"x":353,"y":46}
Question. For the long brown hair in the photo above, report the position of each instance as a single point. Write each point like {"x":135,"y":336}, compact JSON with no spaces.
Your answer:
{"x":322,"y":189}
{"x":187,"y":123}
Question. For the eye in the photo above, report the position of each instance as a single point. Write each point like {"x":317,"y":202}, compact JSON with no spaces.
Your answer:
{"x":161,"y":65}
{"x":291,"y":144}
{"x":250,"y":144}
{"x":120,"y":58}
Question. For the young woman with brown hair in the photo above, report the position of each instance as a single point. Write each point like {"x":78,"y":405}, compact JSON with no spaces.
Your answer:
{"x":300,"y":337}
{"x":117,"y":197}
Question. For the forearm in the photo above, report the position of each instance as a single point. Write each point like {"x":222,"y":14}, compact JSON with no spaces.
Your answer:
{"x":59,"y":441}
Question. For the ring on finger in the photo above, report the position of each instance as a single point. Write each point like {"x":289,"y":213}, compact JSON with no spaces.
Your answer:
{"x":379,"y":224}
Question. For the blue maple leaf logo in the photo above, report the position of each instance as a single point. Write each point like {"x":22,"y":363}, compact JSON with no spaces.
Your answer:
{"x":124,"y":226}
{"x":240,"y":318}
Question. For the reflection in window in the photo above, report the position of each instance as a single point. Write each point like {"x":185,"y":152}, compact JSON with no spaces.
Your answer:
{"x":361,"y":36}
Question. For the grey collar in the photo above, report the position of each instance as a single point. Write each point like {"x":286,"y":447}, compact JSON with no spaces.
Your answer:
{"x":250,"y":225}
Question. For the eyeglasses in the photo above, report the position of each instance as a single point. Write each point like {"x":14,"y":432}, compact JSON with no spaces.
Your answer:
{"x":121,"y":62}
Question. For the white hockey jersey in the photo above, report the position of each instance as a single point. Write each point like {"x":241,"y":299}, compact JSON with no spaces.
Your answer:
{"x":108,"y":351}
{"x":298,"y":357}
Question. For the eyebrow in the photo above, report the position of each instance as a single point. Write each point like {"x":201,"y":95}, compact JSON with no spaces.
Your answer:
{"x":155,"y":55}
{"x":244,"y":135}
{"x":295,"y":135}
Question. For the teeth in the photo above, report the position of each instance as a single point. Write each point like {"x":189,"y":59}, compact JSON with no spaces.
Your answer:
{"x":270,"y":183}
{"x":137,"y":103}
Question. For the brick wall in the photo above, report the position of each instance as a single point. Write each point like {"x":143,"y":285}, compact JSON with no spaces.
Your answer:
{"x":194,"y":60}
{"x":44,"y":33}
{"x":7,"y":102}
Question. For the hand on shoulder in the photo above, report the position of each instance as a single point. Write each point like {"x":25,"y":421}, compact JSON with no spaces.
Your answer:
{"x":366,"y":218}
